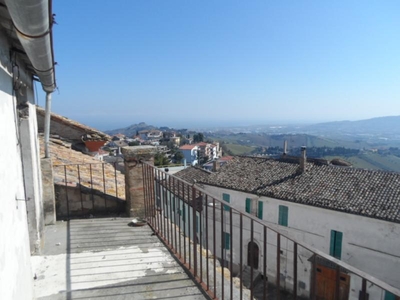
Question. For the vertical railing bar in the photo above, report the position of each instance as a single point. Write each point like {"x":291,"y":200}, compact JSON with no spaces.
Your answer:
{"x":179,"y":220}
{"x":265,"y":264}
{"x":364,"y":289}
{"x":184,"y":222}
{"x":116,"y":181}
{"x":66,"y":190}
{"x":231,"y":250}
{"x":174,"y":208}
{"x":194,"y":211}
{"x":165,"y":206}
{"x":153,"y":196}
{"x":314,"y":278}
{"x":294,"y":270}
{"x":207,"y":250}
{"x":189,"y":225}
{"x":241,"y":255}
{"x":162,"y":198}
{"x":104,"y":188}
{"x":251,"y":257}
{"x":214,"y":249}
{"x":222,"y":251}
{"x":171,"y":224}
{"x":145,"y":182}
{"x":160,"y":211}
{"x":337,"y":283}
{"x":201,"y":235}
{"x":80,"y":187}
{"x":91,"y":186}
{"x":278,"y":266}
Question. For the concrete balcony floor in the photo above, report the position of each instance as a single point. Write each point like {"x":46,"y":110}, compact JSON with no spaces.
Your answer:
{"x":107,"y":259}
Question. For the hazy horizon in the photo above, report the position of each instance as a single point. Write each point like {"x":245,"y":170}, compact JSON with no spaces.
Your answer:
{"x":187,"y":63}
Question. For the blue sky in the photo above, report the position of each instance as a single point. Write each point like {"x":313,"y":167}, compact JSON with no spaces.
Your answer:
{"x":186,"y":63}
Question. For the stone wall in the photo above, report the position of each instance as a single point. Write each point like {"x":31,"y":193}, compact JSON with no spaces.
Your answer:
{"x":84,"y":202}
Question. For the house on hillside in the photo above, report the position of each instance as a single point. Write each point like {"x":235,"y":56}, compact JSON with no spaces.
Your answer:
{"x":190,"y":153}
{"x":350,"y":214}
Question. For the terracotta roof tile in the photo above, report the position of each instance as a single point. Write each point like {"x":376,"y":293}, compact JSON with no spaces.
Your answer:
{"x":370,"y":193}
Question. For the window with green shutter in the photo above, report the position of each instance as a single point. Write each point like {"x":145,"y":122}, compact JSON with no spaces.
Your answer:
{"x":283,"y":215}
{"x":226,"y":198}
{"x":248,"y":205}
{"x":260,"y":210}
{"x":227,"y":241}
{"x":390,"y":296}
{"x":336,"y":244}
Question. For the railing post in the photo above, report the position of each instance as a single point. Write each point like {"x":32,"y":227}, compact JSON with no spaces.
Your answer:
{"x":134,"y":185}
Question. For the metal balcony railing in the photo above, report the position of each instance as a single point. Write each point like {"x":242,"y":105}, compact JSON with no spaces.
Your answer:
{"x":88,"y":189}
{"x":234,"y":255}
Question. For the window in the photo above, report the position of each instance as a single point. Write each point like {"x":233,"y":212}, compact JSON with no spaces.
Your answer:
{"x":226,"y":198}
{"x":283,"y":215}
{"x":248,"y":205}
{"x":227,"y":241}
{"x":336,"y":244}
{"x":390,"y":296}
{"x":260,"y":209}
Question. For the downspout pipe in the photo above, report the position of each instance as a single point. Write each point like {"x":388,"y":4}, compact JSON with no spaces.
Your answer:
{"x":33,"y":21}
{"x":47,"y":126}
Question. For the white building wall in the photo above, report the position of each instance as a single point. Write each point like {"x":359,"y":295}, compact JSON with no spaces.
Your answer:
{"x":370,"y":245}
{"x":15,"y":267}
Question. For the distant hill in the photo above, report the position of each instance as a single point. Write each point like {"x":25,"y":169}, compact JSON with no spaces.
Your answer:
{"x":131,"y":130}
{"x":378,"y":126}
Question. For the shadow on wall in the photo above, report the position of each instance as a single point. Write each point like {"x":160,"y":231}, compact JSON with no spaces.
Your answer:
{"x":79,"y":201}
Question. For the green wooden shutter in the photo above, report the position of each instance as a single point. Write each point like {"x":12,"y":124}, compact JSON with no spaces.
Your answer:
{"x":338,"y":244}
{"x":248,"y":205}
{"x":283,"y":215}
{"x":332,"y":245}
{"x":197,"y":224}
{"x":227,"y":241}
{"x":183,"y":213}
{"x":260,"y":209}
{"x":226,"y":198}
{"x":389,"y":296}
{"x":335,"y":248}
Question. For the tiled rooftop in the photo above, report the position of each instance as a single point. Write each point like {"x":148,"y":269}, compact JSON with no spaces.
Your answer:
{"x":370,"y":193}
{"x":62,"y":154}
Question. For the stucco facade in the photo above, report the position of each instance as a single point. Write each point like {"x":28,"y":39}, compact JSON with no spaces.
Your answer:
{"x":370,"y":245}
{"x":15,"y":267}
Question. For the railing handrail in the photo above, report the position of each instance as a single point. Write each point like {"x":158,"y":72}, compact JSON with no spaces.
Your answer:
{"x":288,"y":236}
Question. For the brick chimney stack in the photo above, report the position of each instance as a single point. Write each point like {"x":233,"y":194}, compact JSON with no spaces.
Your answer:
{"x":303,"y":159}
{"x":216,"y":165}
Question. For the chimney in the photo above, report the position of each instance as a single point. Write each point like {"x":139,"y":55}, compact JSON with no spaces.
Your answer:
{"x":216,"y":165}
{"x":303,"y":159}
{"x":284,"y":148}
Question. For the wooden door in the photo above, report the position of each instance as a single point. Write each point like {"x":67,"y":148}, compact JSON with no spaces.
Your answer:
{"x":326,"y":284}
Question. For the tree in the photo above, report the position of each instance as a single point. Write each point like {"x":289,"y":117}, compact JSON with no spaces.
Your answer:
{"x":179,"y":156}
{"x":134,"y":143}
{"x":198,"y":137}
{"x":160,"y":159}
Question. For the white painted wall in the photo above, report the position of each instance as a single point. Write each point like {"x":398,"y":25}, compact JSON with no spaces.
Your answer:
{"x":371,"y":245}
{"x":15,"y":266}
